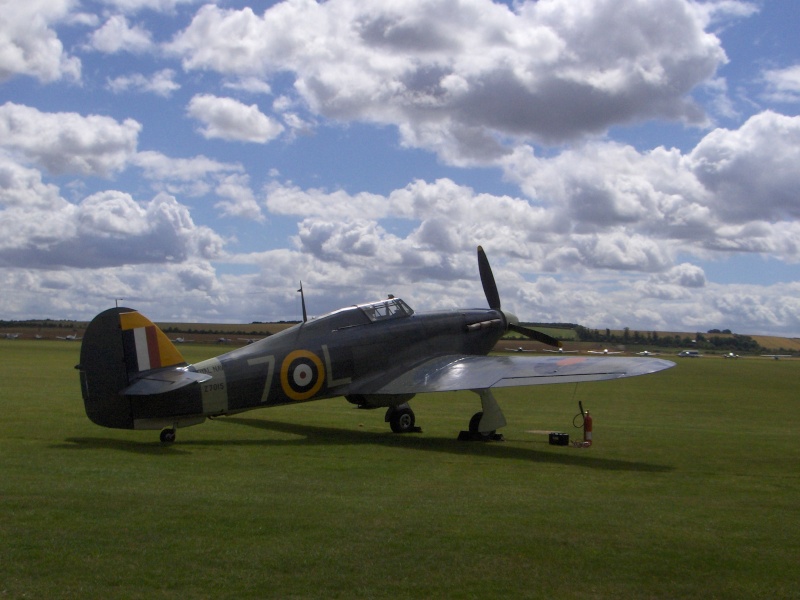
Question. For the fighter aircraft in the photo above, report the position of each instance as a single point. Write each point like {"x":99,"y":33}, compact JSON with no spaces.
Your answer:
{"x":376,"y":355}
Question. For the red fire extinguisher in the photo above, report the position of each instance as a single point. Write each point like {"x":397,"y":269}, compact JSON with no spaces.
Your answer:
{"x":587,"y":429}
{"x":586,"y":422}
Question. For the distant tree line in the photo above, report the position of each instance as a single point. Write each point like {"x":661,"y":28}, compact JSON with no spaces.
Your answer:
{"x":42,"y":323}
{"x":173,"y":329}
{"x":731,"y":342}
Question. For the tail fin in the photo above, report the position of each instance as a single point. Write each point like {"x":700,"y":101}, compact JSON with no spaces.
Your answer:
{"x":120,"y":345}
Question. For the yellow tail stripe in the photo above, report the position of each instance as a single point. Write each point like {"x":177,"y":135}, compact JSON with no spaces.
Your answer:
{"x":166,"y":349}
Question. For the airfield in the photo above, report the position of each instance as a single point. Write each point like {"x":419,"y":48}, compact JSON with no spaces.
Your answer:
{"x":691,"y":490}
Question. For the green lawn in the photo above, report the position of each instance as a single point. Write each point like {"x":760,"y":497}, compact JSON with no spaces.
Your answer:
{"x":692,"y":490}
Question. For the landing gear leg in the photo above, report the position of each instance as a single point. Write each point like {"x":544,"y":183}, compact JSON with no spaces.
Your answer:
{"x":168,"y":435}
{"x":401,"y":419}
{"x":484,"y":424}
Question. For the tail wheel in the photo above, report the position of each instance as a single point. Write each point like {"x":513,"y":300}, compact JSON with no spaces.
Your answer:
{"x":402,"y":420}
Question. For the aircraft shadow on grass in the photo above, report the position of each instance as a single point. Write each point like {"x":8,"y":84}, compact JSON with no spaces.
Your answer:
{"x":328,"y":436}
{"x":312,"y":435}
{"x":134,"y":447}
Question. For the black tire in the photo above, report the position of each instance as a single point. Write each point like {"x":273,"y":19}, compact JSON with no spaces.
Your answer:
{"x":167,"y":436}
{"x":475,"y":422}
{"x":402,"y":420}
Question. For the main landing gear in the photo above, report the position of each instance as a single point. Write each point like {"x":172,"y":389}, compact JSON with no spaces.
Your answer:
{"x":401,"y":419}
{"x":167,"y":435}
{"x":483,"y":425}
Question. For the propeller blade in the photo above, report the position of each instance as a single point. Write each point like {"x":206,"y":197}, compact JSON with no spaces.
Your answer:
{"x":487,"y":280}
{"x":493,"y":298}
{"x":535,"y":335}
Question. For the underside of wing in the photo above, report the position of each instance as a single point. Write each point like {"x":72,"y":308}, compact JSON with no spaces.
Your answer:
{"x":451,"y":373}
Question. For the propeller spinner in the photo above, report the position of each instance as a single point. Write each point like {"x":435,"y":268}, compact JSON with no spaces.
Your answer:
{"x":493,"y":298}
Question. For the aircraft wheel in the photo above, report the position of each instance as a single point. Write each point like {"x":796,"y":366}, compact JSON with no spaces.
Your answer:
{"x":167,"y":436}
{"x":402,"y":420}
{"x":474,"y":422}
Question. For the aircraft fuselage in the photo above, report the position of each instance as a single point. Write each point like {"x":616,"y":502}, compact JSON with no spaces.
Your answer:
{"x":323,"y":358}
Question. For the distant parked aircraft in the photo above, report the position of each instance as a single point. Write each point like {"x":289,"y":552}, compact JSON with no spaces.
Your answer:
{"x":71,"y":337}
{"x":605,"y":351}
{"x":777,"y":356}
{"x":647,"y":353}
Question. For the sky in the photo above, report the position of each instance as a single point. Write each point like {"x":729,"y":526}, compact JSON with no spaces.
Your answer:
{"x":624,"y":163}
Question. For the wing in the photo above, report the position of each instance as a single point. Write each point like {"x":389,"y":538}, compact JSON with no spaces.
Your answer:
{"x":451,"y":373}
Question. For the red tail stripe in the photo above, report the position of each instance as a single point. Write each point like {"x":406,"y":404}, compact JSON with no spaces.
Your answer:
{"x":152,"y":347}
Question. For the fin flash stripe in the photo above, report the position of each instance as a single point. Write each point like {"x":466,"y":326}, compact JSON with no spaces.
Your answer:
{"x":146,"y":346}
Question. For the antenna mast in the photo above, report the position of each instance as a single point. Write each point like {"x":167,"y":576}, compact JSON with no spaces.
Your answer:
{"x":303,"y":301}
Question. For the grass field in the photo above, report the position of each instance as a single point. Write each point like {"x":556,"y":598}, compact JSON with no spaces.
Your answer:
{"x":692,"y":490}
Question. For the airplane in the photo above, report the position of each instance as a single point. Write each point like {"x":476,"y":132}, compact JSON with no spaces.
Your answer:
{"x":777,"y":356}
{"x":604,"y":351}
{"x":180,"y":340}
{"x":561,"y":351}
{"x":11,"y":336}
{"x":647,"y":353}
{"x":690,"y":353}
{"x":730,"y":355}
{"x":73,"y":337}
{"x":377,"y":355}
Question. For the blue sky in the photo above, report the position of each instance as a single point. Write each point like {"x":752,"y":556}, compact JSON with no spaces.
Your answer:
{"x":624,"y":163}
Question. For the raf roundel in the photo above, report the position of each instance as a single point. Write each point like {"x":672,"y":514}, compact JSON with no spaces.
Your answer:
{"x":302,"y":374}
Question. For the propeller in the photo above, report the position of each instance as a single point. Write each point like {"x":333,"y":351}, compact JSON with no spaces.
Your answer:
{"x":493,"y":298}
{"x":487,"y":279}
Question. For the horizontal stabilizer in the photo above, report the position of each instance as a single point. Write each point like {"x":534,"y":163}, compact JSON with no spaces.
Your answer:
{"x":165,"y":380}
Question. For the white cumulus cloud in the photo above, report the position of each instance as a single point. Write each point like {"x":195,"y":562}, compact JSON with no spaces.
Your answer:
{"x":458,"y":77}
{"x":68,"y":142}
{"x":30,"y":46}
{"x":232,"y":120}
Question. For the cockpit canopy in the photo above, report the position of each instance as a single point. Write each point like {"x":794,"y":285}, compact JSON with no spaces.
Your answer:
{"x":393,"y":308}
{"x":362,"y":314}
